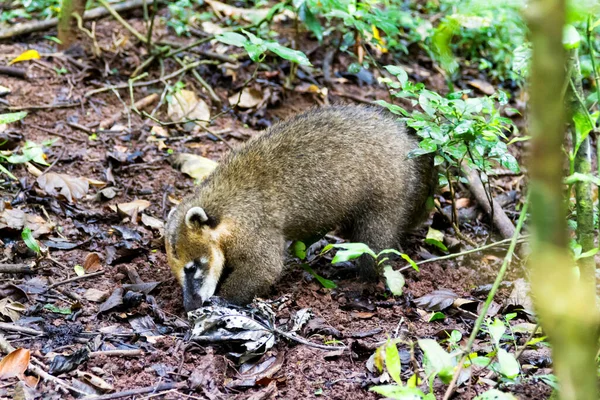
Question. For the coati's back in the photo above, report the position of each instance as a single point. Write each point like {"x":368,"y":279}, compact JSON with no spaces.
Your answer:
{"x":341,"y":166}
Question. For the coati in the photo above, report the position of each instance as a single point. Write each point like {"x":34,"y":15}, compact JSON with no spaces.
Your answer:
{"x":343,"y":167}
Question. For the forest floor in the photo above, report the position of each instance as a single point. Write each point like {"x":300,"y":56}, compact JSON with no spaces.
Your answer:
{"x":130,"y":162}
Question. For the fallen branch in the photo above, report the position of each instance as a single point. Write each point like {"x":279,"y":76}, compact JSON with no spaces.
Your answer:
{"x":16,"y":269}
{"x":499,"y":218}
{"x":21,"y":329}
{"x":13,"y":71}
{"x":95,"y":13}
{"x":117,"y":353}
{"x":44,"y":106}
{"x":149,"y":389}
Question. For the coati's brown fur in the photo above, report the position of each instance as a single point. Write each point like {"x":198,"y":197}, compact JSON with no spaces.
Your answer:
{"x":340,"y":167}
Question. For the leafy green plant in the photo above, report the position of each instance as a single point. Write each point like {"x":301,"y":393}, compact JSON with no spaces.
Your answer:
{"x":484,"y":34}
{"x":389,"y":26}
{"x":30,"y":241}
{"x":182,"y":13}
{"x":27,"y":9}
{"x":298,"y":248}
{"x":257,"y":47}
{"x":351,"y":251}
{"x":455,"y":128}
{"x":439,"y":363}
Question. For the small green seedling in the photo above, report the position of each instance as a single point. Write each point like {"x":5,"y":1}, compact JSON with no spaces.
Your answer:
{"x":351,"y":251}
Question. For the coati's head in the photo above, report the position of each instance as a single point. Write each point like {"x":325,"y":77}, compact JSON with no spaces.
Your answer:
{"x":194,"y":242}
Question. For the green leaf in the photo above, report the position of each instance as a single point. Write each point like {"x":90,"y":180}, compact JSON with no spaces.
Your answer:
{"x":398,"y":392}
{"x":255,"y":52}
{"x":289,"y":54}
{"x":583,"y":127}
{"x":429,"y":102}
{"x":30,"y":241}
{"x":435,"y":238}
{"x":394,"y":280}
{"x":299,"y":249}
{"x":438,"y":359}
{"x":588,"y":253}
{"x":12,"y":117}
{"x":495,"y":394}
{"x":79,"y":270}
{"x":310,"y":21}
{"x":232,"y":38}
{"x":57,"y":310}
{"x":437,"y":316}
{"x":326,"y":283}
{"x":392,"y":361}
{"x":349,"y":251}
{"x":7,"y":172}
{"x":496,"y":330}
{"x":398,"y":72}
{"x":571,"y":38}
{"x":509,"y":366}
{"x":393,"y":108}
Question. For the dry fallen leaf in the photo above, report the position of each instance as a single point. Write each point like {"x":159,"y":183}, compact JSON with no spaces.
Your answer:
{"x":94,"y":380}
{"x":463,"y":203}
{"x":18,"y":219}
{"x":11,"y":309}
{"x":92,"y":263}
{"x":95,"y":295}
{"x":185,"y":105}
{"x":249,"y":14}
{"x":212,"y":28}
{"x":247,"y":98}
{"x":152,"y":222}
{"x":14,"y":364}
{"x":483,"y":86}
{"x":27,"y":55}
{"x":70,"y":187}
{"x":131,"y":207}
{"x":197,"y":167}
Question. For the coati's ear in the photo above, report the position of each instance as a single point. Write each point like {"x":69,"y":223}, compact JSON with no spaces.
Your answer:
{"x":171,"y":213}
{"x":195,"y":217}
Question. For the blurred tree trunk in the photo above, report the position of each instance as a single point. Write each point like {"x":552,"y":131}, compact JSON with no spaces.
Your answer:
{"x":67,"y":24}
{"x":566,"y":305}
{"x":582,"y":165}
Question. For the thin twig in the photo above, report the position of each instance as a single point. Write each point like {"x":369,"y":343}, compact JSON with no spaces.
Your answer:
{"x":462,"y":253}
{"x":120,"y":19}
{"x":44,"y":106}
{"x":76,"y":278}
{"x":152,"y":82}
{"x":149,"y":389}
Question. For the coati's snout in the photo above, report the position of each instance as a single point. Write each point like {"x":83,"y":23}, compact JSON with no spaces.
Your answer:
{"x":197,"y":267}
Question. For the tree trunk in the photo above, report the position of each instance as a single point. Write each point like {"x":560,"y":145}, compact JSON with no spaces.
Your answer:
{"x":583,"y":165}
{"x":566,"y":305}
{"x":67,"y":23}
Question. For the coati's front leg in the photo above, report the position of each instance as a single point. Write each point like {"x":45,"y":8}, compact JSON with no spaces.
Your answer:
{"x":251,"y":269}
{"x":380,"y":232}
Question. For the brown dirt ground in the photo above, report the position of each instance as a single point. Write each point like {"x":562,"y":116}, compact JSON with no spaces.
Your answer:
{"x":305,"y":372}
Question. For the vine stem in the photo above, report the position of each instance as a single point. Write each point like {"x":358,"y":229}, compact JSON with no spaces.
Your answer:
{"x":488,"y":301}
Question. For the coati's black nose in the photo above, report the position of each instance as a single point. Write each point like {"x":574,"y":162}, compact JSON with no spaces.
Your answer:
{"x":192,"y":282}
